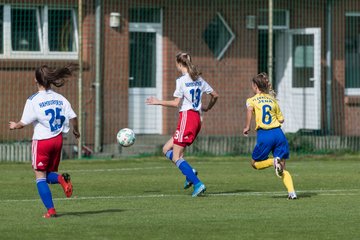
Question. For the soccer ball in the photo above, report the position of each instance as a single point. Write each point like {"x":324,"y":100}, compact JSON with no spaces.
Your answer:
{"x":126,"y":137}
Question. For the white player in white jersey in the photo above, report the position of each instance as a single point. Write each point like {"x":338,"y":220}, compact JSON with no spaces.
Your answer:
{"x":189,"y":90}
{"x":50,"y":113}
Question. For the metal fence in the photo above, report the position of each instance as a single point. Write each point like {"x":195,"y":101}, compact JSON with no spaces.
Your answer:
{"x":127,"y":48}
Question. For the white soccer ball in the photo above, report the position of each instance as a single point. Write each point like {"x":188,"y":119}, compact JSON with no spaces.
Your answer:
{"x":126,"y":137}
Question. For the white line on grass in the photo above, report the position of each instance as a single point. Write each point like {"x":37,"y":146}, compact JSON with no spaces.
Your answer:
{"x":324,"y":192}
{"x":114,"y":169}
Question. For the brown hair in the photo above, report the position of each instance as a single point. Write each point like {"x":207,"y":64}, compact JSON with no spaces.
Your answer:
{"x":262,"y":82}
{"x":185,"y":60}
{"x":45,"y":76}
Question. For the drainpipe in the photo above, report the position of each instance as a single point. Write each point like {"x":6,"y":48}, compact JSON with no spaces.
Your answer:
{"x":270,"y":42}
{"x":328,"y":65}
{"x":98,"y":74}
{"x":80,"y":142}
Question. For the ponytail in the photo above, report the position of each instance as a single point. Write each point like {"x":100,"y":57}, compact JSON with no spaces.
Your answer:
{"x":262,"y":82}
{"x":185,"y":60}
{"x":46,"y":76}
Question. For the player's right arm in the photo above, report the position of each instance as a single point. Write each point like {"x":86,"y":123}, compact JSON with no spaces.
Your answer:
{"x":27,"y":117}
{"x":166,"y":103}
{"x":249,"y":113}
{"x":16,"y":125}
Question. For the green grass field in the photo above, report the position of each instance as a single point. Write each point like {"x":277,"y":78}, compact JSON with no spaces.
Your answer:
{"x":142,"y":198}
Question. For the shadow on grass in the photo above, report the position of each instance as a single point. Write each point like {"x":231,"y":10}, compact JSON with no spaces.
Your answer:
{"x":231,"y":192}
{"x":84,"y":213}
{"x":301,"y":195}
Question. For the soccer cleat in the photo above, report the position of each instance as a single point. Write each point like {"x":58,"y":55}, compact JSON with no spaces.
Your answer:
{"x":292,"y":196}
{"x":65,"y":182}
{"x":198,"y":189}
{"x":278,"y":167}
{"x":187,"y":183}
{"x":51,"y":213}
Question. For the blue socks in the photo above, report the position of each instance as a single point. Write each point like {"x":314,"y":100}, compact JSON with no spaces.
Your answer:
{"x":52,"y":178}
{"x":44,"y":192}
{"x":169,"y":155}
{"x":187,"y":170}
{"x":184,"y":167}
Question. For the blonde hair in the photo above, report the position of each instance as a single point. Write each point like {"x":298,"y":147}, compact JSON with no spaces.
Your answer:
{"x":185,"y":60}
{"x":262,"y":82}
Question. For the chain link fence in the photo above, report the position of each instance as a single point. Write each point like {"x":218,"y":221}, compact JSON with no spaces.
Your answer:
{"x":127,"y":48}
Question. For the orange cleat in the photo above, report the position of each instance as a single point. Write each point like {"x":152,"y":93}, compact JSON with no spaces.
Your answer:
{"x":51,"y":213}
{"x":65,"y":182}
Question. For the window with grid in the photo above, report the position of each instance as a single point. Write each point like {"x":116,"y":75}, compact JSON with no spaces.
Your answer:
{"x":38,"y":32}
{"x":61,"y":33}
{"x":352,"y":54}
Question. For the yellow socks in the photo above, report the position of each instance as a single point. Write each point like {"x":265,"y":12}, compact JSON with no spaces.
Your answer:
{"x":287,"y":180}
{"x":264,"y":164}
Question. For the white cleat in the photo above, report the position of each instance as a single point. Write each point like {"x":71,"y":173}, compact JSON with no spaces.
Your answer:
{"x":292,"y":196}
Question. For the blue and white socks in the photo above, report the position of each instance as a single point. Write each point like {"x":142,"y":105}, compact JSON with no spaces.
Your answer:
{"x":169,"y":155}
{"x":187,"y":170}
{"x":44,"y":192}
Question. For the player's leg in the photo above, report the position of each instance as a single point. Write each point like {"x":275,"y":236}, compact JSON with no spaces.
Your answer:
{"x":52,"y":176}
{"x":168,"y":152}
{"x":281,"y":153}
{"x":288,"y":182}
{"x":45,"y":193}
{"x":260,"y":154}
{"x":168,"y":149}
{"x":187,"y":170}
{"x":262,"y":164}
{"x":40,"y":162}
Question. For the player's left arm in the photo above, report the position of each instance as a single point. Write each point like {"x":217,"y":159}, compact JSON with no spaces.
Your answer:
{"x":166,"y":103}
{"x":74,"y":123}
{"x":213,"y":98}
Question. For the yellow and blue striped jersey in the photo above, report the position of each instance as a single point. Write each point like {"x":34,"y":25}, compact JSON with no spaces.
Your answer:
{"x":267,"y":111}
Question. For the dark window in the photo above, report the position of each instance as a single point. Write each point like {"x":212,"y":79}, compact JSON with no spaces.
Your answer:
{"x":24,"y":30}
{"x":218,"y":36}
{"x":352,"y":52}
{"x":61,"y":31}
{"x":279,"y":18}
{"x":145,"y":15}
{"x":303,"y":61}
{"x":142,"y":59}
{"x":1,"y":29}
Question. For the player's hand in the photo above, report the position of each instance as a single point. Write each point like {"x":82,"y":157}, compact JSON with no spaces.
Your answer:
{"x":152,"y":101}
{"x":246,"y":131}
{"x":12,"y":125}
{"x":76,"y":134}
{"x":203,"y":109}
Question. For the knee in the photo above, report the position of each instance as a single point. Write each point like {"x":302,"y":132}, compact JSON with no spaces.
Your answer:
{"x":165,"y":149}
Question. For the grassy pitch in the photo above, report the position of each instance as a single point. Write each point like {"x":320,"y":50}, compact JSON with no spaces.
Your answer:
{"x":143,"y":198}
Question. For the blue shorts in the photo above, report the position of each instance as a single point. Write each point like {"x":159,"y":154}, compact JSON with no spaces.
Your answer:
{"x":272,"y":140}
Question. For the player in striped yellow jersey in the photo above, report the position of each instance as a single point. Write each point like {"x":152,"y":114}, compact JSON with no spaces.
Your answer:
{"x":270,"y":137}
